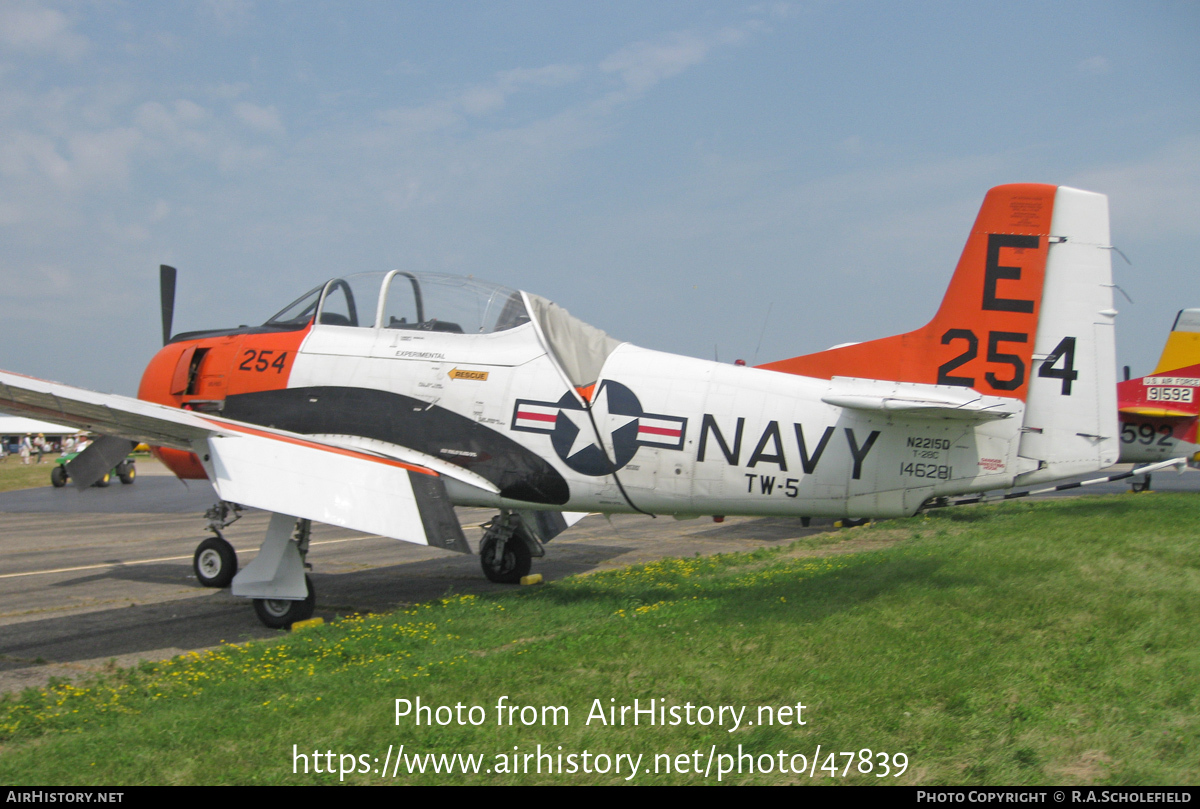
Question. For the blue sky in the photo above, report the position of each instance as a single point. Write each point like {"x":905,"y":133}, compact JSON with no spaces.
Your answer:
{"x":750,"y":180}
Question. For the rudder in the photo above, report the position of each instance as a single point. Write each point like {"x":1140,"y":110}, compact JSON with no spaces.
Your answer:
{"x":1070,"y":425}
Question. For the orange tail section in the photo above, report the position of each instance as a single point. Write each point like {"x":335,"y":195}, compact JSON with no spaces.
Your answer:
{"x":982,"y":336}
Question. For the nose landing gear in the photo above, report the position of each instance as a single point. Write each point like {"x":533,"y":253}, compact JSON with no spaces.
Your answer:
{"x":215,"y":562}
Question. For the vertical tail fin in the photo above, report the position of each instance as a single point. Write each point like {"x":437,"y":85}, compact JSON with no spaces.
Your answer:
{"x":1028,"y":315}
{"x":981,"y":336}
{"x":1183,"y":343}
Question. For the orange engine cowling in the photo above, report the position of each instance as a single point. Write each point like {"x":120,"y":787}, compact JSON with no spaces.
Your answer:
{"x":199,"y":374}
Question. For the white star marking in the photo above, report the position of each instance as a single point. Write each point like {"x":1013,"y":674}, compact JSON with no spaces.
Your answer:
{"x":607,"y":423}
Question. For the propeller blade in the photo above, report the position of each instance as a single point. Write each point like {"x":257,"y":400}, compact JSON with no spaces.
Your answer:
{"x":166,"y":285}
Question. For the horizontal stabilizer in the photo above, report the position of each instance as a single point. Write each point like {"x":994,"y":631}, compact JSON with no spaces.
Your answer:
{"x":1158,"y":412}
{"x":918,"y":401}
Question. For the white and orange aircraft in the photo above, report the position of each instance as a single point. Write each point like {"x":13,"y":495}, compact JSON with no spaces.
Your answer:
{"x":377,"y":402}
{"x":1160,"y":412}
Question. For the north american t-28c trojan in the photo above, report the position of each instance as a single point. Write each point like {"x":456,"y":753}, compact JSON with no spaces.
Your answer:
{"x":378,"y":402}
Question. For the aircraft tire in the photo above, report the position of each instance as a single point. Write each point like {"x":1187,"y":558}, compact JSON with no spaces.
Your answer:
{"x":278,"y":613}
{"x":215,"y":562}
{"x":58,"y":476}
{"x":508,"y":570}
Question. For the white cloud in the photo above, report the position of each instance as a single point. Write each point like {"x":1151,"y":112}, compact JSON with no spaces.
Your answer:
{"x":1154,"y":197}
{"x":482,"y":100}
{"x":413,"y":121}
{"x":1094,"y":66}
{"x":546,"y":76}
{"x":24,"y":153}
{"x":264,"y":120}
{"x":102,"y":158}
{"x":645,"y":64}
{"x":229,"y":15}
{"x":30,"y":29}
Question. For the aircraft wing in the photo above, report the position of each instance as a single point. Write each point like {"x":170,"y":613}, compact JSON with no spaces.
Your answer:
{"x":265,"y":468}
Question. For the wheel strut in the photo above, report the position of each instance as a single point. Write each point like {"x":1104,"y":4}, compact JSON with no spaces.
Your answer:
{"x":504,"y":552}
{"x":215,"y":562}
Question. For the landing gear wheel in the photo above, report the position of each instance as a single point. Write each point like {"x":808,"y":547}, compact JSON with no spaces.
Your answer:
{"x":126,"y":472}
{"x":513,"y":564}
{"x":215,"y":562}
{"x":58,"y":476}
{"x":278,"y":613}
{"x":104,"y":481}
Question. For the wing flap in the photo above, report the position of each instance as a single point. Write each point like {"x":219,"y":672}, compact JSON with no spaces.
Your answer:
{"x":341,"y":487}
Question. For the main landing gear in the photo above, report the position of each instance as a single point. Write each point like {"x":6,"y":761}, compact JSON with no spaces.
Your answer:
{"x":287,"y":593}
{"x":510,"y":541}
{"x":280,"y":613}
{"x":283,"y":594}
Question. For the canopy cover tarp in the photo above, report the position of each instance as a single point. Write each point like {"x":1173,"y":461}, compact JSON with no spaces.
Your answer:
{"x":579,"y":348}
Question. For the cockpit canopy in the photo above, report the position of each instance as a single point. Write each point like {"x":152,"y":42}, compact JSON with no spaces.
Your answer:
{"x":449,"y":304}
{"x":405,"y":300}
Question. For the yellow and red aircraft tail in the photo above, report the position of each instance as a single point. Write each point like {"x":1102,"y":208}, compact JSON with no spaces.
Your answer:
{"x":1183,"y":343}
{"x":1167,"y":401}
{"x":1028,"y":315}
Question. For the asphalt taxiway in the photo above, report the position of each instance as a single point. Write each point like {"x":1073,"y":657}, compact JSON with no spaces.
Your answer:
{"x":104,"y":576}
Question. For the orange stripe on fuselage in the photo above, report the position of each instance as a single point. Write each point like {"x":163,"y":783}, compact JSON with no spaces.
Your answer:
{"x":991,"y":305}
{"x":226,"y":426}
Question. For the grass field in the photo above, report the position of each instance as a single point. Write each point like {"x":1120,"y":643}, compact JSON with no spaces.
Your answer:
{"x":15,"y":475}
{"x":1026,"y":643}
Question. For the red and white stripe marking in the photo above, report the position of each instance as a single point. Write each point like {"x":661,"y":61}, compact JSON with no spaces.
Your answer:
{"x":657,"y":432}
{"x":535,"y":417}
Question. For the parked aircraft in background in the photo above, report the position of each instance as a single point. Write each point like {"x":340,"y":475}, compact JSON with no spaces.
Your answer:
{"x":1159,"y":412}
{"x":379,"y":401}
